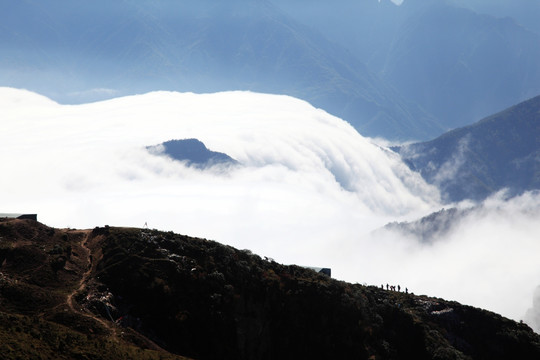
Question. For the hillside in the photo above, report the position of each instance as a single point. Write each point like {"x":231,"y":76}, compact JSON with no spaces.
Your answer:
{"x":138,"y":293}
{"x":42,"y":272}
{"x":500,"y":151}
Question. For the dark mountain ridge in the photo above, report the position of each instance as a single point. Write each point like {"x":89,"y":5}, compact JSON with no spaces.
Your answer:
{"x":498,"y":152}
{"x":143,"y":294}
{"x":432,"y":227}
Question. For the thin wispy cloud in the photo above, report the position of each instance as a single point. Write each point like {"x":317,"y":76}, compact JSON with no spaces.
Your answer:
{"x":450,"y":169}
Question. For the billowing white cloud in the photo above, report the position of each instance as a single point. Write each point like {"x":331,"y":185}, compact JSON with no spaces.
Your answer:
{"x":310,"y":190}
{"x":306,"y":176}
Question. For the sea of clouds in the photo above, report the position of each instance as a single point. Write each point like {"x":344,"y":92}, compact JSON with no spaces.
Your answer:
{"x":309,"y":190}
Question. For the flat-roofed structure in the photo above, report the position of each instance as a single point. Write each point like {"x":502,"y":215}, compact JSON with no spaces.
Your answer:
{"x":325,"y":271}
{"x":18,"y":216}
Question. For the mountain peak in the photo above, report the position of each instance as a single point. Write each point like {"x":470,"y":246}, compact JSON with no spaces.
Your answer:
{"x":193,"y":152}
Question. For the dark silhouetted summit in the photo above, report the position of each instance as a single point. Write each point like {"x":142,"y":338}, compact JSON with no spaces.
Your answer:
{"x":193,"y":152}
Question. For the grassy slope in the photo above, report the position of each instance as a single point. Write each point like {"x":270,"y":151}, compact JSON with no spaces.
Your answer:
{"x":40,"y":267}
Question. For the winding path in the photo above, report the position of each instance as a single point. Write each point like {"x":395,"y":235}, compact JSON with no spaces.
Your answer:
{"x":72,"y":304}
{"x":91,"y":261}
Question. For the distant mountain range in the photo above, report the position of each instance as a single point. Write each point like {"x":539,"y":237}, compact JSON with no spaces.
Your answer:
{"x":400,"y":72}
{"x":126,"y":293}
{"x":473,"y":162}
{"x":524,"y":12}
{"x":460,"y":60}
{"x":80,"y":51}
{"x":461,"y":65}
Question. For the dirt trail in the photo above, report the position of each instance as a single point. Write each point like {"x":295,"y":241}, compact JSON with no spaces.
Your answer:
{"x":91,"y":261}
{"x":72,"y":304}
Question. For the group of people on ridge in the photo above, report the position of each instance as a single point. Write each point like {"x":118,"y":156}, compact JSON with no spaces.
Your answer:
{"x":393,"y":288}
